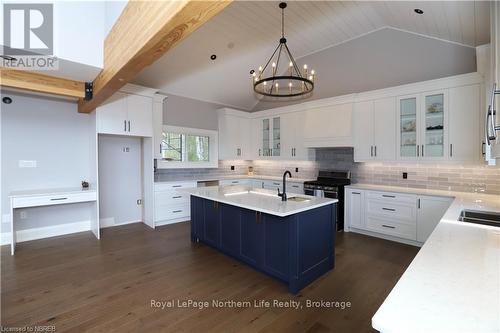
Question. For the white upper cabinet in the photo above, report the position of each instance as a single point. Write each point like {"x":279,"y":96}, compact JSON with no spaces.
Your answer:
{"x":234,"y":135}
{"x":464,"y":124}
{"x":374,"y":124}
{"x":422,"y":126}
{"x":266,"y":137}
{"x":126,"y":114}
{"x":292,"y":136}
{"x":158,"y":102}
{"x":329,"y":126}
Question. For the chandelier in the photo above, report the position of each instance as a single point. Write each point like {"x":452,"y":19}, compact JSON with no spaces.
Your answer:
{"x":282,"y":79}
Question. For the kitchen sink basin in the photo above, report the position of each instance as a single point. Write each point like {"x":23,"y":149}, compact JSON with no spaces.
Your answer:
{"x":477,"y":217}
{"x":298,"y":199}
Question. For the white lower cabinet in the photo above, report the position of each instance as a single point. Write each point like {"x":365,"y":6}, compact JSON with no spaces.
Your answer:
{"x":172,"y":206}
{"x":234,"y":182}
{"x":403,"y":216}
{"x":430,"y":210}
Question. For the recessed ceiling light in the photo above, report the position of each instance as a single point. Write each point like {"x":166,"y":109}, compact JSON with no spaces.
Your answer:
{"x":7,"y":100}
{"x":213,"y":57}
{"x":418,"y":11}
{"x":252,"y":71}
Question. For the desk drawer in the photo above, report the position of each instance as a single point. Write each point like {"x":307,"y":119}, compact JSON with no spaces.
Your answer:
{"x":393,"y":228}
{"x":169,"y":198}
{"x":172,"y":212}
{"x":53,"y":199}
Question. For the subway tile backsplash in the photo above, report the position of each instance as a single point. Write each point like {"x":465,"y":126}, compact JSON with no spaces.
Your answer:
{"x":441,"y":176}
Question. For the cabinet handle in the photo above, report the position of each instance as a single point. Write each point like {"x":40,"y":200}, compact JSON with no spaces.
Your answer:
{"x":124,"y":125}
{"x":177,"y":197}
{"x":389,"y":209}
{"x":257,"y":216}
{"x":58,"y":199}
{"x":451,"y":149}
{"x":418,"y":150}
{"x":375,"y":151}
{"x":356,"y":193}
{"x":276,"y":183}
{"x":371,"y":151}
{"x":422,"y":150}
{"x":176,"y":185}
{"x":129,"y":125}
{"x":388,"y":196}
{"x":176,"y":211}
{"x":235,"y":182}
{"x":259,"y":152}
{"x":388,"y":226}
{"x":160,"y":148}
{"x":418,"y":203}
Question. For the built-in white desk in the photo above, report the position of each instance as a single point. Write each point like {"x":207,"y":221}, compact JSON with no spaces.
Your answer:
{"x":45,"y":197}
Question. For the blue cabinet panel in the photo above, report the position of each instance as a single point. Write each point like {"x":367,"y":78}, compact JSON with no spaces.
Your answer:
{"x":276,"y":243}
{"x":251,"y":237}
{"x":212,"y":222}
{"x":230,"y":229}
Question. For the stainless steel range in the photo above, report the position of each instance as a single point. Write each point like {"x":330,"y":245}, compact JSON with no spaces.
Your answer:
{"x":330,"y":184}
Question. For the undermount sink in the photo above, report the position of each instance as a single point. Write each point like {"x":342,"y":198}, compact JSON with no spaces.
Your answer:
{"x":298,"y":199}
{"x":477,"y":217}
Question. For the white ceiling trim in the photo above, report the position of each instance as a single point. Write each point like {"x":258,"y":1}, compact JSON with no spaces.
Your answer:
{"x":431,"y":37}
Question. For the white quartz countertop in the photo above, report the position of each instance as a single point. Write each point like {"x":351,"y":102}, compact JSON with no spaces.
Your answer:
{"x":261,"y":200}
{"x":453,"y":284}
{"x":51,"y":191}
{"x":208,"y":178}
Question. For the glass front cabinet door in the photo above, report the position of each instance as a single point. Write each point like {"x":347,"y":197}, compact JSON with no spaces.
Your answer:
{"x":423,"y":126}
{"x":269,"y":137}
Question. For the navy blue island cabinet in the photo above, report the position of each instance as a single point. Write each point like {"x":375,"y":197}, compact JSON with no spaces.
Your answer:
{"x":296,"y":249}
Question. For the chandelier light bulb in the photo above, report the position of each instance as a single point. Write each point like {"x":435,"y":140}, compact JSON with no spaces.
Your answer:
{"x":312,"y":71}
{"x":277,"y":87}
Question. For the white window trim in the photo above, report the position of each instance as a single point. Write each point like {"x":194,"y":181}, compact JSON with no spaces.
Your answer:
{"x":213,"y":146}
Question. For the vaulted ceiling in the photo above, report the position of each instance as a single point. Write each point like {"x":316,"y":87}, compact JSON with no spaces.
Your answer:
{"x":244,"y":35}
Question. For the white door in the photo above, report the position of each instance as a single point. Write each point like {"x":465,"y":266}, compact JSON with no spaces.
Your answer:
{"x":430,"y":210}
{"x":244,"y":138}
{"x":355,"y":208}
{"x":112,"y":115}
{"x":157,"y":128}
{"x":363,"y":131}
{"x":288,"y":127}
{"x":408,"y":144}
{"x":464,"y":140}
{"x":300,"y":151}
{"x":140,"y":115}
{"x":384,"y":129}
{"x":229,"y":129}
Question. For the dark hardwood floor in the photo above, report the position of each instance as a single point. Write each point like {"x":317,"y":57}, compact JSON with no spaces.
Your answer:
{"x":79,"y":284}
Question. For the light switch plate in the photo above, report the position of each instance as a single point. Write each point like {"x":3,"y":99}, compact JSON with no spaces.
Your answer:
{"x":27,"y":164}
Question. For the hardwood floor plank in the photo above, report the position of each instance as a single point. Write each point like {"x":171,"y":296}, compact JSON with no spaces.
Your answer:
{"x":80,"y":284}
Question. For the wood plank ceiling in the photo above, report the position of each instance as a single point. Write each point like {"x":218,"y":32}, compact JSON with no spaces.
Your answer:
{"x":244,"y":34}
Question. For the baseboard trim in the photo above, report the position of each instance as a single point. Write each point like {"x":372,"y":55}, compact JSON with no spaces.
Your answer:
{"x":109,"y":222}
{"x":178,"y":220}
{"x":386,"y":237}
{"x":45,"y":232}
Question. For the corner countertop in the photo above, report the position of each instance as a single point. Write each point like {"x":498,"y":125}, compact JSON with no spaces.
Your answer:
{"x":170,"y":179}
{"x":52,"y":191}
{"x":453,"y":284}
{"x":261,"y":200}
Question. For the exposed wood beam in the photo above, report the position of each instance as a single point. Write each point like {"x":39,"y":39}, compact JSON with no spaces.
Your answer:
{"x":37,"y":82}
{"x":143,"y":33}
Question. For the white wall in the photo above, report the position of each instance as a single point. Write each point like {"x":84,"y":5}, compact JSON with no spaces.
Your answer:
{"x":53,"y":133}
{"x":187,"y":112}
{"x":120,"y":178}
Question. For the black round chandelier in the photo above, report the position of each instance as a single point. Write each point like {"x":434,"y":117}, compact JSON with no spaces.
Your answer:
{"x":285,"y":78}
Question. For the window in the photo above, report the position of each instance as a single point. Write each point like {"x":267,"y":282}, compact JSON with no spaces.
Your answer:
{"x":188,"y":148}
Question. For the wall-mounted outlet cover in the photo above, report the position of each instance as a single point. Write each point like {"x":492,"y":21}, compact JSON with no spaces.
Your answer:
{"x":23,"y":215}
{"x":296,"y":169}
{"x":139,"y":201}
{"x":405,"y":175}
{"x":232,"y":167}
{"x":27,"y":164}
{"x":126,"y":149}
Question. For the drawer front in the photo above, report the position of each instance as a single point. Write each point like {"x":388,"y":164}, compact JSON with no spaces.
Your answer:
{"x":174,"y":186}
{"x":169,"y":198}
{"x":172,"y":212}
{"x":233,"y":182}
{"x":392,"y":197}
{"x":271,"y":184}
{"x":392,"y":210}
{"x":295,"y":188}
{"x":392,"y":228}
{"x":258,"y":183}
{"x":54,"y":199}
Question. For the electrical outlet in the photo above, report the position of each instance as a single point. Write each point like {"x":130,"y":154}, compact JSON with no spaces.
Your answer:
{"x":27,"y":164}
{"x":126,"y":149}
{"x":296,"y":169}
{"x":139,"y":201}
{"x":23,"y":215}
{"x":232,"y":167}
{"x":405,"y":175}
